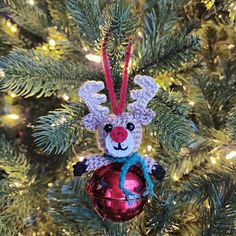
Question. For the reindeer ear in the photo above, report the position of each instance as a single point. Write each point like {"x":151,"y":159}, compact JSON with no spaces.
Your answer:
{"x":142,"y":96}
{"x":88,"y":92}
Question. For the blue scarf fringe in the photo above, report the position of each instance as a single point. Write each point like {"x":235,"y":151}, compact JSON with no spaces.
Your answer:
{"x":127,"y":163}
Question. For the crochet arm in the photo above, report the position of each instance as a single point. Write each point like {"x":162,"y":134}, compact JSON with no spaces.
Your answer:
{"x":155,"y":169}
{"x":89,"y":164}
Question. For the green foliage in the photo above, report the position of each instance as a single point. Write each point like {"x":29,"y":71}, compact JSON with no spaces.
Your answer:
{"x":87,"y":15}
{"x":160,"y":48}
{"x":60,"y":129}
{"x":12,"y":161}
{"x":120,"y":22}
{"x":29,"y":17}
{"x":231,"y":124}
{"x":28,"y":73}
{"x":170,"y":126}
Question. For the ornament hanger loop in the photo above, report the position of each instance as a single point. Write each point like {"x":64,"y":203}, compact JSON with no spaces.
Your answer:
{"x":116,"y":108}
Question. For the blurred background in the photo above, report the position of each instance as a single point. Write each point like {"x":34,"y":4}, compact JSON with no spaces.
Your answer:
{"x":48,"y":48}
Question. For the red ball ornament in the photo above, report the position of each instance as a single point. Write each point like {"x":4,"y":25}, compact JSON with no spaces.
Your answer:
{"x":109,"y":200}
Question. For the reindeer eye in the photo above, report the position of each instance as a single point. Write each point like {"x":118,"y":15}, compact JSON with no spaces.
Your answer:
{"x":130,"y":126}
{"x":108,"y":128}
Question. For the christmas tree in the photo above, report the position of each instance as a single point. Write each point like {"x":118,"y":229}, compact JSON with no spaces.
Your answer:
{"x":49,"y":48}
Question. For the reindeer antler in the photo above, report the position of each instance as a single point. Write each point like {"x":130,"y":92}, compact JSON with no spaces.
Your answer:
{"x":88,"y":92}
{"x":142,"y":97}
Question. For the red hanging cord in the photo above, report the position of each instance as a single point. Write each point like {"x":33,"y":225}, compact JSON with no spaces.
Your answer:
{"x":117,"y":109}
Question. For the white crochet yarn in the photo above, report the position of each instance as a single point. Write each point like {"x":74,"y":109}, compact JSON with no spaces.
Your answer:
{"x":128,"y":145}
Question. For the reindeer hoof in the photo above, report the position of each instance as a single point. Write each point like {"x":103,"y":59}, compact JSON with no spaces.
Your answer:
{"x":80,"y":168}
{"x":158,"y":172}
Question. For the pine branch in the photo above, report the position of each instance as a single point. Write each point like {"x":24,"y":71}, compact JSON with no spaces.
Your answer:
{"x":231,"y":124}
{"x":87,"y":15}
{"x":159,"y":215}
{"x":29,"y":17}
{"x":160,"y":48}
{"x":170,"y":126}
{"x":60,"y":129}
{"x":12,"y":161}
{"x":120,"y":22}
{"x":28,"y":73}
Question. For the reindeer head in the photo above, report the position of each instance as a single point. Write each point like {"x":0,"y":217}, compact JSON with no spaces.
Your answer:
{"x":119,"y":135}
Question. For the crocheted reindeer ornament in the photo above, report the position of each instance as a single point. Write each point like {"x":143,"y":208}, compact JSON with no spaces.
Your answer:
{"x":119,"y":134}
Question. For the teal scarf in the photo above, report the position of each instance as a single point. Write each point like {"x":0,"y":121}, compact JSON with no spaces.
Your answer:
{"x":127,"y":163}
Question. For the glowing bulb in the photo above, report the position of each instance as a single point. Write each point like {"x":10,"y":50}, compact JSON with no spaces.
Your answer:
{"x":140,"y":34}
{"x":31,"y":2}
{"x":191,"y":103}
{"x":213,"y":160}
{"x":8,"y":23}
{"x":175,"y":177}
{"x":65,"y":97}
{"x":231,"y":46}
{"x":85,"y":49}
{"x":94,"y":58}
{"x":50,"y":185}
{"x":2,"y":73}
{"x":13,"y":95}
{"x":81,"y":158}
{"x":149,"y":148}
{"x":13,"y":28}
{"x":52,"y":42}
{"x":230,"y":155}
{"x":13,"y":116}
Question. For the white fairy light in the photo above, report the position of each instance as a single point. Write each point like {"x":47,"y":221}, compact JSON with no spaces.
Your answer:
{"x":31,"y":2}
{"x":52,"y":42}
{"x":2,"y":73}
{"x":8,"y":24}
{"x":13,"y":28}
{"x":92,"y":57}
{"x":13,"y":116}
{"x":13,"y":95}
{"x":149,"y":148}
{"x":175,"y":177}
{"x":213,"y":160}
{"x":81,"y":158}
{"x":65,"y":97}
{"x":230,"y":155}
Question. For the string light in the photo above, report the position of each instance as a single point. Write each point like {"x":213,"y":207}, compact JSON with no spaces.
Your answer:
{"x":65,"y":97}
{"x":231,"y":46}
{"x":8,"y":23}
{"x":13,"y":116}
{"x":13,"y":95}
{"x":213,"y":160}
{"x":230,"y":155}
{"x":52,"y":42}
{"x":31,"y":2}
{"x":81,"y":158}
{"x":191,"y":103}
{"x":175,"y":177}
{"x":140,"y":34}
{"x":149,"y":148}
{"x":50,"y":185}
{"x":94,"y":58}
{"x":85,"y":49}
{"x":13,"y":28}
{"x":2,"y":73}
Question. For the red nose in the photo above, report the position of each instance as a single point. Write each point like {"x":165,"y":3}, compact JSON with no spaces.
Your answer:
{"x":119,"y":134}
